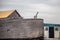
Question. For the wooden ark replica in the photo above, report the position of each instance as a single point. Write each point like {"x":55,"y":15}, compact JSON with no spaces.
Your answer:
{"x":12,"y":25}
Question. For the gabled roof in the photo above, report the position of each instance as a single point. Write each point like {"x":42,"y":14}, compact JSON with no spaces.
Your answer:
{"x":4,"y":14}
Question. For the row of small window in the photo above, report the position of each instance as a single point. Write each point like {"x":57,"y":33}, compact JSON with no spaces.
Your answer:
{"x":48,"y":29}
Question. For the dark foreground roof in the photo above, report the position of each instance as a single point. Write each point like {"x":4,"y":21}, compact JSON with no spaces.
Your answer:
{"x":50,"y":25}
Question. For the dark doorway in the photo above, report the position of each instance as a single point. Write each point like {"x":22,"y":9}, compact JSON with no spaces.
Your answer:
{"x":51,"y":32}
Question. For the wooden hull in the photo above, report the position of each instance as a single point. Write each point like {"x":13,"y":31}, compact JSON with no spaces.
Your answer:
{"x":25,"y":28}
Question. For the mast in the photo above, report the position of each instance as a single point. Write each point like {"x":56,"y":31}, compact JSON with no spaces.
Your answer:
{"x":35,"y":17}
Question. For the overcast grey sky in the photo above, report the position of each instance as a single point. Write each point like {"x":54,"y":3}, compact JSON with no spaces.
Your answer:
{"x":49,"y":10}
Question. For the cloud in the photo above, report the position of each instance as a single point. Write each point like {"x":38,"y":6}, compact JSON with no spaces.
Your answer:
{"x":53,"y":2}
{"x":49,"y":10}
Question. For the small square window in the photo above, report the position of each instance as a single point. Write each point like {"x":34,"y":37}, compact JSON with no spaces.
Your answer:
{"x":8,"y":29}
{"x":46,"y":29}
{"x":56,"y":29}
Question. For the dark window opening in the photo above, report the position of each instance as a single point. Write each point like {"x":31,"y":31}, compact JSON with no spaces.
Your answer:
{"x":8,"y":29}
{"x":51,"y":32}
{"x":46,"y":29}
{"x":56,"y":29}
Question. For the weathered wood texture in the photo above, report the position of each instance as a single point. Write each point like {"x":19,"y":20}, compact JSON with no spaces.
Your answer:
{"x":22,"y":28}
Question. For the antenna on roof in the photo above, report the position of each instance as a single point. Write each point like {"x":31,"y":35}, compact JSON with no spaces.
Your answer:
{"x":35,"y":17}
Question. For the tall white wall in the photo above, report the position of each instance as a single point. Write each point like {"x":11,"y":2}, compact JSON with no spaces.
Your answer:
{"x":46,"y":32}
{"x":56,"y":32}
{"x":59,"y":31}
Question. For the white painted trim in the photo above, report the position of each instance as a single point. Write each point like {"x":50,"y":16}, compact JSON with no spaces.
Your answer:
{"x":56,"y":33}
{"x":46,"y":32}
